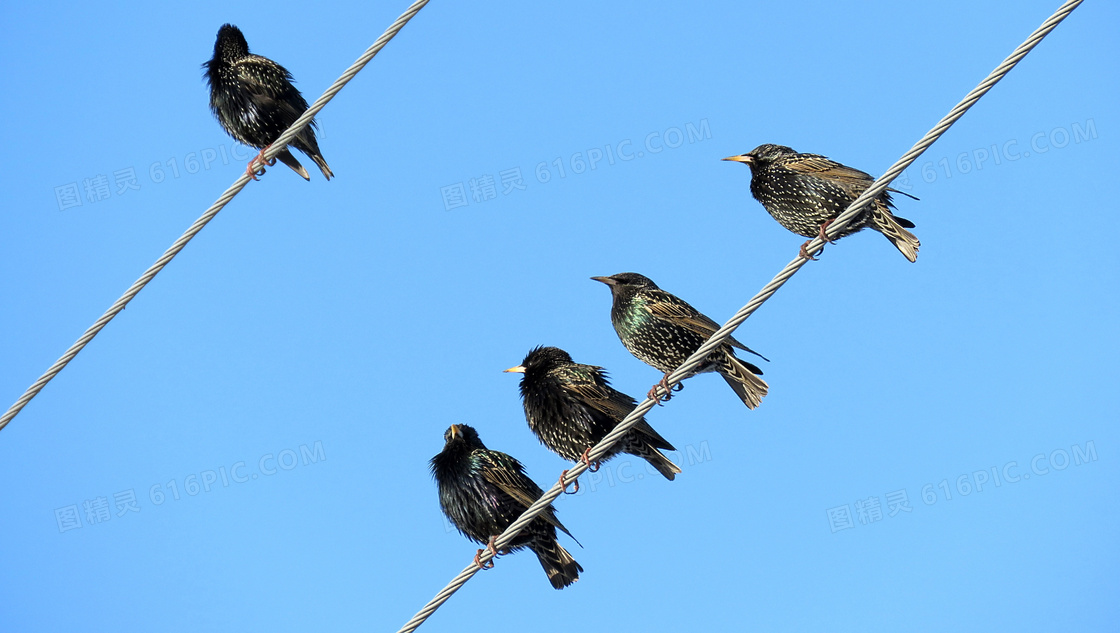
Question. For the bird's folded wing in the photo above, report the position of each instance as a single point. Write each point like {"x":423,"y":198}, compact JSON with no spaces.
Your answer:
{"x":267,"y":85}
{"x":829,"y":169}
{"x":261,"y":77}
{"x":686,"y":316}
{"x":516,"y":484}
{"x":598,"y":395}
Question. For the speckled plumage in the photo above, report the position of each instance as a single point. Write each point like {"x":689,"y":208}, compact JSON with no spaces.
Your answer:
{"x":254,"y":100}
{"x":571,"y":407}
{"x":803,"y":191}
{"x":483,"y":491}
{"x":662,"y":331}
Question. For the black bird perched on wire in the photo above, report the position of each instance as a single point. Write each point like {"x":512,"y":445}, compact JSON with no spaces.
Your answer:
{"x":571,"y":407}
{"x":483,"y":491}
{"x":806,"y":192}
{"x":663,"y":331}
{"x":254,"y":100}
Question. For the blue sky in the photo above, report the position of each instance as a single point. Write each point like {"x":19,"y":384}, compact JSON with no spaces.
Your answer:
{"x":295,"y":367}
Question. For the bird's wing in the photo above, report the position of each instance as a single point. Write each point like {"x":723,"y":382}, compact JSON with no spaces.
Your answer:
{"x":589,"y":384}
{"x":852,"y":181}
{"x":670,"y":308}
{"x":508,"y":475}
{"x":676,"y":311}
{"x":832,"y":170}
{"x":822,"y":167}
{"x":269,"y":84}
{"x":580,"y":381}
{"x":261,"y":77}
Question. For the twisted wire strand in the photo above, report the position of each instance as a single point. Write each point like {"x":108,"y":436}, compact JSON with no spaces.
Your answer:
{"x":277,"y":146}
{"x":767,"y":291}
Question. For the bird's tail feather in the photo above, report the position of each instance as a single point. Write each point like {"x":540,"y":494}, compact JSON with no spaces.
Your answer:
{"x":648,"y":452}
{"x":289,"y":160}
{"x":749,"y":387}
{"x":561,"y":568}
{"x":322,"y":163}
{"x":911,"y":196}
{"x":890,"y":226}
{"x":651,"y":437}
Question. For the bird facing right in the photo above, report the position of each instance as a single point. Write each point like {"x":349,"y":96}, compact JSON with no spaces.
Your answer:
{"x":806,"y":192}
{"x":662,"y":331}
{"x":571,"y":407}
{"x":254,"y":100}
{"x":482,"y":492}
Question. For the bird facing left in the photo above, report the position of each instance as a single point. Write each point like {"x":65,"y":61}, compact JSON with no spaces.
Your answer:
{"x":662,"y":330}
{"x":806,"y":192}
{"x":254,"y":100}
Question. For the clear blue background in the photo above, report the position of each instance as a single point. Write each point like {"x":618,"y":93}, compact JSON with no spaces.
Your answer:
{"x":351,"y":322}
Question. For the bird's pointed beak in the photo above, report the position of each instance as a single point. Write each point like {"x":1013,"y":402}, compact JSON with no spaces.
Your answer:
{"x":520,"y":369}
{"x":744,"y":158}
{"x":455,"y":431}
{"x":606,"y":280}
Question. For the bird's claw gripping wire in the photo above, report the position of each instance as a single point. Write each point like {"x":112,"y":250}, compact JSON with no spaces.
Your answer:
{"x":805,"y":254}
{"x":261,"y":162}
{"x":824,"y":238}
{"x":490,"y":563}
{"x":664,"y":384}
{"x":823,"y":235}
{"x":592,"y":466}
{"x":564,"y":486}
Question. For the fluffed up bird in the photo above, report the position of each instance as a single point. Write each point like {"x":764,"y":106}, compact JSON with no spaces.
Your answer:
{"x":571,"y":407}
{"x":254,"y":100}
{"x":663,"y":331}
{"x":806,"y":192}
{"x":483,"y":491}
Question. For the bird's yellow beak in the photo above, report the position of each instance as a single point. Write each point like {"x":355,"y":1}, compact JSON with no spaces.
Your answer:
{"x":740,"y":159}
{"x":514,"y":370}
{"x":455,"y":431}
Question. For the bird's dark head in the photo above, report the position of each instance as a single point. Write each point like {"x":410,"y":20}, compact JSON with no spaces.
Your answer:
{"x":453,"y":461}
{"x":627,"y":281}
{"x":541,"y":359}
{"x":762,"y":155}
{"x":230,"y":45}
{"x":461,"y":434}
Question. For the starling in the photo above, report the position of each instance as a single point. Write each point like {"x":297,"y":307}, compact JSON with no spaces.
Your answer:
{"x":571,"y":407}
{"x":663,"y":331}
{"x":806,"y":192}
{"x":254,"y":100}
{"x":483,"y":491}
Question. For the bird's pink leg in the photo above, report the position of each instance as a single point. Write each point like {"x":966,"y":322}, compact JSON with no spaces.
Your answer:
{"x":586,"y":458}
{"x":804,"y":253}
{"x":663,"y":384}
{"x":259,"y":160}
{"x":490,"y":563}
{"x":564,"y":486}
{"x":823,"y":235}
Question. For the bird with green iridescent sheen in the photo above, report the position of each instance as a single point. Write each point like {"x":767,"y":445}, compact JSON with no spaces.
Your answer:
{"x":663,"y":330}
